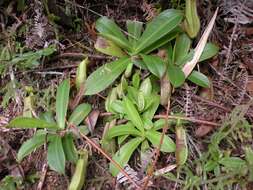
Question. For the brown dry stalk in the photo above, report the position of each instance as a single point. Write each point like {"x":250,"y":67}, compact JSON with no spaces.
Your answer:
{"x":108,"y":157}
{"x":187,"y":119}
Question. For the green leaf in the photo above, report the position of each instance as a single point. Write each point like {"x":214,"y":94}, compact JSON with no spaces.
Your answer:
{"x":79,"y":114}
{"x":249,"y":158}
{"x":210,"y":165}
{"x":117,"y":106}
{"x":159,"y":124}
{"x":30,"y":145}
{"x":134,"y":29}
{"x":232,"y":162}
{"x":158,"y":28}
{"x":109,"y":29}
{"x":48,"y":116}
{"x":28,"y":123}
{"x":132,"y":114}
{"x":69,"y":148}
{"x":199,"y":79}
{"x":154,"y":137}
{"x":146,"y":87}
{"x":154,"y":64}
{"x":105,"y":75}
{"x":56,"y":156}
{"x":108,"y":47}
{"x":175,"y":75}
{"x":78,"y":179}
{"x":62,"y":101}
{"x":119,"y":130}
{"x":181,"y":48}
{"x":136,"y":80}
{"x":122,"y":138}
{"x":249,"y":155}
{"x":209,"y":51}
{"x":141,"y":101}
{"x":150,"y":112}
{"x":123,"y":155}
{"x":162,"y":41}
{"x":112,"y":96}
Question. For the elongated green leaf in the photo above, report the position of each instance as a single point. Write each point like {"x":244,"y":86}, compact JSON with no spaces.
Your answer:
{"x":27,"y":123}
{"x":108,"y":47}
{"x":119,"y":130}
{"x":249,"y":155}
{"x":154,"y":137}
{"x":158,"y":28}
{"x":232,"y":162}
{"x":122,"y":138}
{"x":134,"y":29}
{"x":30,"y":145}
{"x":109,"y":29}
{"x":162,"y":41}
{"x":209,"y":51}
{"x":150,"y":112}
{"x":136,"y":80}
{"x":199,"y":79}
{"x":132,"y":114}
{"x":112,"y":96}
{"x":159,"y":124}
{"x":117,"y":106}
{"x":79,"y":114}
{"x":123,"y":155}
{"x":154,"y":64}
{"x":69,"y":148}
{"x":78,"y":179}
{"x":175,"y":75}
{"x":105,"y":75}
{"x":181,"y":48}
{"x":48,"y":116}
{"x":62,"y":101}
{"x":55,"y":155}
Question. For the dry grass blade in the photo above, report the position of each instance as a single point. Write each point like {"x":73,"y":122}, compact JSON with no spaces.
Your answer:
{"x":189,"y":66}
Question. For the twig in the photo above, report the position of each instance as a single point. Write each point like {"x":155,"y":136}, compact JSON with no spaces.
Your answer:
{"x":107,"y":156}
{"x":157,"y":150}
{"x":43,"y":176}
{"x":187,"y":119}
{"x":211,"y":103}
{"x":79,"y":56}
